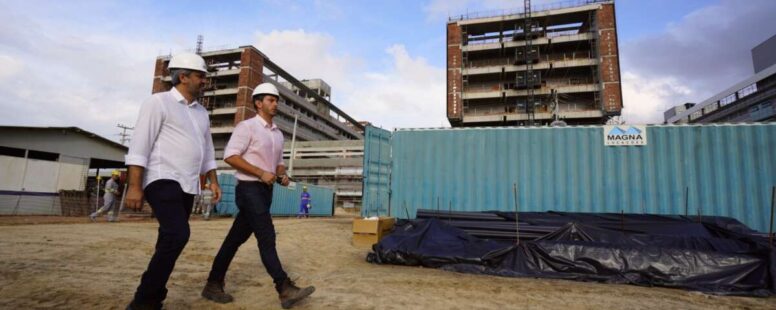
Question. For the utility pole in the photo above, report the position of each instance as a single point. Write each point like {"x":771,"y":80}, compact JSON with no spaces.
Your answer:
{"x":124,"y":135}
{"x":293,"y":148}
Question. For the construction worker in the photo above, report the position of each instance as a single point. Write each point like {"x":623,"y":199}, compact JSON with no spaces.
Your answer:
{"x":171,"y":146}
{"x":109,"y":198}
{"x":206,"y":203}
{"x":255,"y":150}
{"x":304,"y":204}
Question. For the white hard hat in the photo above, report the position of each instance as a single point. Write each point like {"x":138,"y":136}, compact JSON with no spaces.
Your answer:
{"x":188,"y":61}
{"x":265,"y":89}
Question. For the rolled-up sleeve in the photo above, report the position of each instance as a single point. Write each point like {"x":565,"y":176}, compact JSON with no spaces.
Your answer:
{"x":240,"y":140}
{"x":149,"y":122}
{"x":280,"y":155}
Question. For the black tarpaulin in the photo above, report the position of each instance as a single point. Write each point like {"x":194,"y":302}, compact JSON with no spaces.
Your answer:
{"x":717,"y":255}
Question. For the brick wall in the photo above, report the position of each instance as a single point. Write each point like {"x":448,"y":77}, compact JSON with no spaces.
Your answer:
{"x":454,"y":81}
{"x":609,"y":55}
{"x":252,"y":64}
{"x":160,"y":70}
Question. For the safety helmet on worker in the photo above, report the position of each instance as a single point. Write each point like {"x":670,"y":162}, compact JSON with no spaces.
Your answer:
{"x":189,"y":61}
{"x":265,"y":89}
{"x":115,"y":173}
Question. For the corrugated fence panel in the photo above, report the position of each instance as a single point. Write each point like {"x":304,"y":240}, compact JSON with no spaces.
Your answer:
{"x":377,"y":172}
{"x":285,"y":201}
{"x":728,"y":170}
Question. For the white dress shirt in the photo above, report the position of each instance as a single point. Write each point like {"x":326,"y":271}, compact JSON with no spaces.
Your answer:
{"x":172,"y":141}
{"x":259,"y":143}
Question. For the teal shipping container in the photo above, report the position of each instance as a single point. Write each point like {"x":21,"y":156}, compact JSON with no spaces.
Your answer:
{"x":723,"y":170}
{"x":285,"y":200}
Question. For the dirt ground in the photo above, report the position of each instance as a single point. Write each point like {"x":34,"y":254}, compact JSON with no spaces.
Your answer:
{"x":69,"y":263}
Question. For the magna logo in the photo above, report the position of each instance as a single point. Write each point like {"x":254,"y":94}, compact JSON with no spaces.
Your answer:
{"x":625,"y":135}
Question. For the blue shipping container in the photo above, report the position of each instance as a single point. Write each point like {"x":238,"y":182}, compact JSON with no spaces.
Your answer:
{"x":729,"y":170}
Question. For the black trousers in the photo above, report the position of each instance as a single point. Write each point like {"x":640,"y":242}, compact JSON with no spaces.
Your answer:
{"x":253,"y":200}
{"x":172,"y":208}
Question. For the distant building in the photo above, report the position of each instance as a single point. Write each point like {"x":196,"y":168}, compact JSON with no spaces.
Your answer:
{"x":560,"y":61}
{"x":234,"y":73}
{"x":39,"y":162}
{"x":751,"y":100}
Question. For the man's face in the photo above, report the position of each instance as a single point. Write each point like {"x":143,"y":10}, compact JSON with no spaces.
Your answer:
{"x":194,"y":82}
{"x":267,"y":105}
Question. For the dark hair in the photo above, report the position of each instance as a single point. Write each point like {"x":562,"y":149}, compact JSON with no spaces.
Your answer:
{"x":175,"y":74}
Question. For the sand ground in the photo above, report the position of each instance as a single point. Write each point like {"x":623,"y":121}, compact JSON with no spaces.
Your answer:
{"x":69,"y":263}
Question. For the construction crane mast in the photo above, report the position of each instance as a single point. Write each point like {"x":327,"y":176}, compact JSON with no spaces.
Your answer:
{"x":529,"y":74}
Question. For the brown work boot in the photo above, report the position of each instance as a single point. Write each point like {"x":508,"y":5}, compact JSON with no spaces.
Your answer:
{"x":215,"y":291}
{"x":290,"y":294}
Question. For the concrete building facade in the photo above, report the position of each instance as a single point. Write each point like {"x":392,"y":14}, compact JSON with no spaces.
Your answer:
{"x":234,"y":73}
{"x":559,"y":61}
{"x":334,"y":164}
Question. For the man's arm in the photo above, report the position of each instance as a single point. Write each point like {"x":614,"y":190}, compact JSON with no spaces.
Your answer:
{"x":281,"y":171}
{"x":241,"y":164}
{"x":135,"y":187}
{"x":147,"y":128}
{"x":214,"y":187}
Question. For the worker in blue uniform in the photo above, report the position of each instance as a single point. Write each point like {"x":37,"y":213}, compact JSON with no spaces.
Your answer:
{"x":304,"y":204}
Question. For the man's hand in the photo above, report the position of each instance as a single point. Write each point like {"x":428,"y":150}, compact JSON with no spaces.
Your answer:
{"x":135,"y":197}
{"x":268,"y":178}
{"x":216,"y":192}
{"x":285,"y":180}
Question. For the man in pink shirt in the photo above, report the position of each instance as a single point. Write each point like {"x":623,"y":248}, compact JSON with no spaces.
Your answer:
{"x":255,"y":150}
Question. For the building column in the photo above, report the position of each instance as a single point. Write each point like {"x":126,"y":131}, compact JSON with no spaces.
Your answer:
{"x":251,"y":66}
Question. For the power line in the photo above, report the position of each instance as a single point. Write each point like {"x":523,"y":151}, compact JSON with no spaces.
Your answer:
{"x":124,"y":135}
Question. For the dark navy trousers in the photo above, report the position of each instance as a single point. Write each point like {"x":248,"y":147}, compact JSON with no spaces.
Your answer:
{"x":253,"y":200}
{"x":172,"y":208}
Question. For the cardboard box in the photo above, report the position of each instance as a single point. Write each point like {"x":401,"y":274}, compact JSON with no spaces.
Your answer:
{"x":367,"y":232}
{"x":367,"y":240}
{"x":374,"y":226}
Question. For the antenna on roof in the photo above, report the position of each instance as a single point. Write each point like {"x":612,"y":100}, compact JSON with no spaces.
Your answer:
{"x":199,"y":44}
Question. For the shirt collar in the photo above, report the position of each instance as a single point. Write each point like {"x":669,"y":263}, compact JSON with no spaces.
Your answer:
{"x":265,"y":124}
{"x":179,"y":98}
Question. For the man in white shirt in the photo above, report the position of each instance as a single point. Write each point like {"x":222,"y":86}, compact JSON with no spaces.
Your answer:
{"x":171,"y":146}
{"x":255,"y":150}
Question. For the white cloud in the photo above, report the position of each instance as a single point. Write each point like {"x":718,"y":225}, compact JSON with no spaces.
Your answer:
{"x":309,"y":55}
{"x":63,"y":77}
{"x":408,"y":93}
{"x":10,"y":66}
{"x":693,"y":59}
{"x":646,"y":99}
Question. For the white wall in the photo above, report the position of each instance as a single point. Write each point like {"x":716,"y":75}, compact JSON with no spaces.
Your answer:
{"x":11,"y":170}
{"x":39,"y":176}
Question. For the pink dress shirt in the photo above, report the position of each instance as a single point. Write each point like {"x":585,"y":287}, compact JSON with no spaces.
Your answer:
{"x":258,"y":143}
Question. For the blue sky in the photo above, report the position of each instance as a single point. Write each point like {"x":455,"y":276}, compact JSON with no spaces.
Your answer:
{"x":90,"y":63}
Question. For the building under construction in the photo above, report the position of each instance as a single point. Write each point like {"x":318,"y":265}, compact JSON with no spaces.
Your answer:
{"x":233,"y":73}
{"x":534,"y":66}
